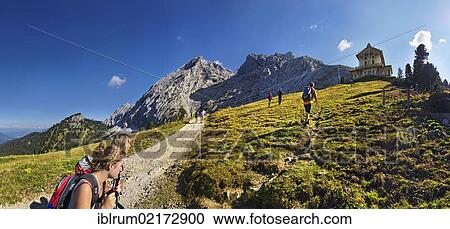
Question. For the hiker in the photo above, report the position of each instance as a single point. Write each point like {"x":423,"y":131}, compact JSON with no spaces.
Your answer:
{"x":91,"y":190}
{"x":309,"y":94}
{"x":280,"y":94}
{"x":269,"y":98}
{"x":203,"y":114}
{"x":196,"y":116}
{"x":103,"y":167}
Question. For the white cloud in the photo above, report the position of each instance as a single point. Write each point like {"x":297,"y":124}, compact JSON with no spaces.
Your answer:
{"x":442,"y":41}
{"x":179,"y":38}
{"x":422,"y":37}
{"x":314,"y":26}
{"x":218,"y":62}
{"x":116,"y":81}
{"x":343,"y":45}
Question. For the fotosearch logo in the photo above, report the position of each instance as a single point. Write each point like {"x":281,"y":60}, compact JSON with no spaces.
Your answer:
{"x":355,"y":143}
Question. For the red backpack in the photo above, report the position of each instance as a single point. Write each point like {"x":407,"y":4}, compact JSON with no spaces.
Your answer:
{"x":63,"y":191}
{"x":61,"y":196}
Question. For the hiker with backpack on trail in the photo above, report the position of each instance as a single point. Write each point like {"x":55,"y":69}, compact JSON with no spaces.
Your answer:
{"x":202,"y":115}
{"x":196,"y":116}
{"x":280,"y":94}
{"x":309,"y":94}
{"x":269,"y":99}
{"x":96,"y":182}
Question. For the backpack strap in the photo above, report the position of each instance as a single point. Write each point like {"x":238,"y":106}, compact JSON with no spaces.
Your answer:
{"x":92,"y":181}
{"x":94,"y":187}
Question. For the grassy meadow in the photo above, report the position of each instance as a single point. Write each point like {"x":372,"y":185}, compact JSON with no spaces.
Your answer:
{"x":356,"y":153}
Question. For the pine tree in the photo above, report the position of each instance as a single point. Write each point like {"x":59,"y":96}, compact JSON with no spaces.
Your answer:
{"x":420,"y":58}
{"x":421,"y":54}
{"x":408,"y":71}
{"x":446,"y":83}
{"x":429,"y":79}
{"x":425,"y":75}
{"x":408,"y":75}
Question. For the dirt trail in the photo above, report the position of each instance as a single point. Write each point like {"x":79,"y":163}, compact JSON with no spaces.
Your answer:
{"x":145,"y":168}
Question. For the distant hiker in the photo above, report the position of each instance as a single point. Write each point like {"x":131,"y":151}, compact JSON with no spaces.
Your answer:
{"x":125,"y":127}
{"x":309,"y":94}
{"x":196,"y":116}
{"x":202,"y":115}
{"x":269,"y":99}
{"x":280,"y":94}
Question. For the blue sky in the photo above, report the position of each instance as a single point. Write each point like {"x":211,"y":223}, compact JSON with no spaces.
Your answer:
{"x":44,"y":79}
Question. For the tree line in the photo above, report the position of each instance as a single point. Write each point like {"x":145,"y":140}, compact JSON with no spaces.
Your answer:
{"x":423,"y":75}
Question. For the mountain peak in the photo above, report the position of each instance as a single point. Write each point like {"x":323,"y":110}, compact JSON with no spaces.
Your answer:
{"x":256,"y":61}
{"x":118,"y":114}
{"x":289,"y":55}
{"x":310,"y":59}
{"x":78,"y":117}
{"x":195,"y":61}
{"x":168,"y":99}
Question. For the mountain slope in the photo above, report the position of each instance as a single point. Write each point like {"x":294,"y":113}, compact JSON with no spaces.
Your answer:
{"x":261,"y":74}
{"x":358,"y":154}
{"x":118,"y":114}
{"x":206,"y":85}
{"x":168,"y":99}
{"x":73,"y":131}
{"x":14,"y":133}
{"x":4,"y":138}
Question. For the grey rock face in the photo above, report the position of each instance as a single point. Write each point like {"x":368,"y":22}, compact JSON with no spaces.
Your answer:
{"x":75,"y":118}
{"x":261,"y":74}
{"x":169,"y":98}
{"x":201,"y":83}
{"x":118,"y":114}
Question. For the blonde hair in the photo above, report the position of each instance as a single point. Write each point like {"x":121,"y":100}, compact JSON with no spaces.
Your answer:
{"x":103,"y":157}
{"x":121,"y":140}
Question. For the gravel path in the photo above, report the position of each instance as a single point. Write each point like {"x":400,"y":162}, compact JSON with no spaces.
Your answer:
{"x":143,"y":169}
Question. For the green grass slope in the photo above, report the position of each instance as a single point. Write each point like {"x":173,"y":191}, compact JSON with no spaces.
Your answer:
{"x":358,"y":153}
